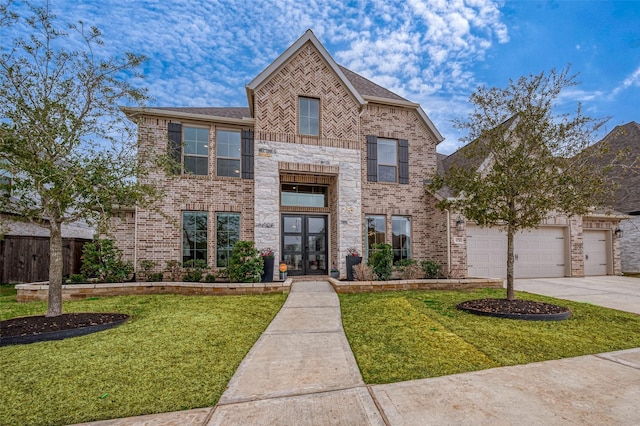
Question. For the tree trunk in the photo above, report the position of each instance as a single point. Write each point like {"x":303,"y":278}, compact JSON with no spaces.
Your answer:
{"x":510,"y":261}
{"x":55,"y":269}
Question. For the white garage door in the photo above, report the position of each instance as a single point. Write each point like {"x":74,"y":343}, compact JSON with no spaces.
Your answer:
{"x":538,"y":253}
{"x":595,"y":252}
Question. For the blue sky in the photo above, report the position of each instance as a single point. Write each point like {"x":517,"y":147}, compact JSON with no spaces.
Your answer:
{"x":202,"y":53}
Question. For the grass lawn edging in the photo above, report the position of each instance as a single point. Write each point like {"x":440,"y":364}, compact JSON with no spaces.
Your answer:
{"x":40,"y":291}
{"x":421,"y":284}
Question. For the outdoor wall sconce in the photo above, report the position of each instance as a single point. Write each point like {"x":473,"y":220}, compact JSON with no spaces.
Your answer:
{"x":618,"y":233}
{"x":460,"y":224}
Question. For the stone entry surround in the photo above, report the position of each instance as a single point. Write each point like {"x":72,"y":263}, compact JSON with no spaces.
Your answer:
{"x":345,"y":212}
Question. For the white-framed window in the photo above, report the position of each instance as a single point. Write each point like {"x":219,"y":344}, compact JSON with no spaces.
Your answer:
{"x":228,"y":152}
{"x":196,"y":150}
{"x":309,"y":112}
{"x":387,"y":160}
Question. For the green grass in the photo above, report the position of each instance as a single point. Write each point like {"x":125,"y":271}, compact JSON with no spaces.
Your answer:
{"x":7,"y":290}
{"x":399,"y":336}
{"x":175,"y":353}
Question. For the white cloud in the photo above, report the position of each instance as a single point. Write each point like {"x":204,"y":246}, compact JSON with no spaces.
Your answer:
{"x":632,"y":81}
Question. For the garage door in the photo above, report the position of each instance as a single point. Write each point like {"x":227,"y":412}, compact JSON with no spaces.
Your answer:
{"x":539,"y":253}
{"x":595,"y":252}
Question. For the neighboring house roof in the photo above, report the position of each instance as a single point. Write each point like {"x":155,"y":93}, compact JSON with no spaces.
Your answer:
{"x":227,"y":112}
{"x":362,"y":89}
{"x":625,"y":138}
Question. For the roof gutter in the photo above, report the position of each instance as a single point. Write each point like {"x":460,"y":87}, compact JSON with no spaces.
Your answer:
{"x":138,"y":111}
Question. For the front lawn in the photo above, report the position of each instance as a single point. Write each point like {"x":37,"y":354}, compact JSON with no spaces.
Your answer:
{"x":175,"y":353}
{"x":399,"y":336}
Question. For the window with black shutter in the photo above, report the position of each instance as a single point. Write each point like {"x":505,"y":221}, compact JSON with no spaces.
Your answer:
{"x":247,"y":154}
{"x":372,"y":158}
{"x":403,"y":161}
{"x":175,"y":147}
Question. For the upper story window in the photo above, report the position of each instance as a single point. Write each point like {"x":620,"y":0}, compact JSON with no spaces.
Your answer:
{"x":387,"y":160}
{"x":309,"y":116}
{"x":228,"y":153}
{"x":196,"y":150}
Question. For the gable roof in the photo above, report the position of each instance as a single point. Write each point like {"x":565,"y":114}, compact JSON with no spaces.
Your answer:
{"x":362,"y":89}
{"x":308,"y":36}
{"x":623,"y":138}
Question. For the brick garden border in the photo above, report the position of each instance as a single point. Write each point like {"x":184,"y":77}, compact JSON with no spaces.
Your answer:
{"x":39,"y":291}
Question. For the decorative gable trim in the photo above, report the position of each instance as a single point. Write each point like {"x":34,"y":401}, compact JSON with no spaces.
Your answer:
{"x":308,"y":36}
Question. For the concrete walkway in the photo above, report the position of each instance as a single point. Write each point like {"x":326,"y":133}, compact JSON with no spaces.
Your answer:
{"x":302,"y":372}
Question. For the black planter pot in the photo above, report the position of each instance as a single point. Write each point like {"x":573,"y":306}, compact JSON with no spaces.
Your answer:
{"x":351,"y":262}
{"x":267,"y":275}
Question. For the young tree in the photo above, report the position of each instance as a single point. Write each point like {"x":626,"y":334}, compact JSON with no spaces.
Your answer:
{"x":67,"y":147}
{"x":527,"y":160}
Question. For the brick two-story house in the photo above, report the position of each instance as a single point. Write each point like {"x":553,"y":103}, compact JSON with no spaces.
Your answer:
{"x":321,"y":161}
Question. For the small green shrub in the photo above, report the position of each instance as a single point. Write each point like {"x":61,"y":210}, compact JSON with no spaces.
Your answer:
{"x":431,"y":268}
{"x":210,"y":278}
{"x":155,"y":277}
{"x":77,"y":279}
{"x":146,"y":266}
{"x":174,"y":269}
{"x":194,"y":270}
{"x":223,"y":273}
{"x":101,"y":259}
{"x":381,"y":261}
{"x":246,"y":265}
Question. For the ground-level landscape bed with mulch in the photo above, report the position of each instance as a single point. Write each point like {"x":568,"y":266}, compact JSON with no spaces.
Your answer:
{"x":178,"y":352}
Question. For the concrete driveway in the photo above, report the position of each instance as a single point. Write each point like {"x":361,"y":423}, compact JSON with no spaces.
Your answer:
{"x":622,"y":293}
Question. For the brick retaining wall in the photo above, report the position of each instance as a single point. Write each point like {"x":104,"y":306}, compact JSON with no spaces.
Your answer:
{"x":435,"y":284}
{"x":40,"y":291}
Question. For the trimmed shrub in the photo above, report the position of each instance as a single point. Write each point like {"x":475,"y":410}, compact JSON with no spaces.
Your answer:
{"x":431,"y":268}
{"x":381,"y":261}
{"x":363,"y":272}
{"x":102,"y":260}
{"x":194,"y":270}
{"x":246,"y":265}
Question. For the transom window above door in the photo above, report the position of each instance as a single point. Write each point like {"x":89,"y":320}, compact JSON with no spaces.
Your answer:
{"x":303,"y":195}
{"x":228,"y":153}
{"x":309,"y":111}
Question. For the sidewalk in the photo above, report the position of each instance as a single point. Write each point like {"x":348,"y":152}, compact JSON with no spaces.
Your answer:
{"x":302,"y":372}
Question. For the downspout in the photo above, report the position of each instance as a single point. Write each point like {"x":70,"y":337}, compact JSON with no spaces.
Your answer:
{"x":135,"y":240}
{"x":448,"y":241}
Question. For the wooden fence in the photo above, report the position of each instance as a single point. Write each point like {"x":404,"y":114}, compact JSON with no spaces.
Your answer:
{"x":26,"y":259}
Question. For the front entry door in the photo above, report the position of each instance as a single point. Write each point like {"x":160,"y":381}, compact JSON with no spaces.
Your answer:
{"x":304,"y":244}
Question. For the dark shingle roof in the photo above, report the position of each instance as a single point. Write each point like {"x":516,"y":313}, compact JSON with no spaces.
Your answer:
{"x":367,"y":87}
{"x":227,"y":112}
{"x":625,"y":138}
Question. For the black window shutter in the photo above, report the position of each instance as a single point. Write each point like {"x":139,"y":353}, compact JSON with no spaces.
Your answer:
{"x":175,"y":146}
{"x":403,"y":161}
{"x":372,"y":158}
{"x":247,"y":154}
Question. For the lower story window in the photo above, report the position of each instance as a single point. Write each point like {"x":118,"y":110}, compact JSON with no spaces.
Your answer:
{"x":401,"y":236}
{"x":194,"y":236}
{"x":376,"y":231}
{"x":227,"y":234}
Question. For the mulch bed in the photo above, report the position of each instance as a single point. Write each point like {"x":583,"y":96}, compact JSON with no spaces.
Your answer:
{"x":26,"y":326}
{"x":516,"y":309}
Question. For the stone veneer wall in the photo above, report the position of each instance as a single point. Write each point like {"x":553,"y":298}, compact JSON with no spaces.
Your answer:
{"x":630,"y":245}
{"x":277,"y":157}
